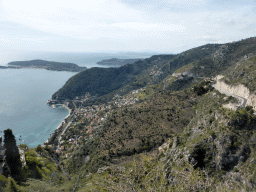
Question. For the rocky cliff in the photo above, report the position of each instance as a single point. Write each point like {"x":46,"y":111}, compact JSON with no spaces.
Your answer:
{"x":237,"y":90}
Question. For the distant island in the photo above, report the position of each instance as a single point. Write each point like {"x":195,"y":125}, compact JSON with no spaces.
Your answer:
{"x":41,"y":64}
{"x":9,"y":67}
{"x":114,"y":62}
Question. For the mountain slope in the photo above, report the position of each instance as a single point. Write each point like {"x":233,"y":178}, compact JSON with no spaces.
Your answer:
{"x":203,"y":61}
{"x":101,"y":81}
{"x":109,"y":81}
{"x":178,"y":137}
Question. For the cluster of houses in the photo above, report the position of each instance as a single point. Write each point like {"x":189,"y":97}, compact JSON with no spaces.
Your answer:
{"x":156,"y":72}
{"x":96,"y":114}
{"x":129,"y":99}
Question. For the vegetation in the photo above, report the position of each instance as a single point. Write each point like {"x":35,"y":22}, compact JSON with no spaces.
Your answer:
{"x":104,"y":81}
{"x":178,"y":137}
{"x":116,"y":62}
{"x":12,"y":156}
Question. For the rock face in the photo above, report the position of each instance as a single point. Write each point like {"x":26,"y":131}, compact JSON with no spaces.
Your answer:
{"x":220,"y":53}
{"x":238,"y":90}
{"x":119,"y":169}
{"x":252,"y":101}
{"x":183,"y":74}
{"x":211,"y":143}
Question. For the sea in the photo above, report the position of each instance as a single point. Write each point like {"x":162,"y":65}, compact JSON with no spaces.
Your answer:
{"x":24,"y":92}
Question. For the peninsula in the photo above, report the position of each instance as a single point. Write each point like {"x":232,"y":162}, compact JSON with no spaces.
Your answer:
{"x":42,"y":64}
{"x":114,"y":62}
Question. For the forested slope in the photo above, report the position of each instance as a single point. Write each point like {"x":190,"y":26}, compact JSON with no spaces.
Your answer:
{"x":204,"y":61}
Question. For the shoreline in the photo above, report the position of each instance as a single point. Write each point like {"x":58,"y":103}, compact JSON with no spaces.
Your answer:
{"x":69,"y":110}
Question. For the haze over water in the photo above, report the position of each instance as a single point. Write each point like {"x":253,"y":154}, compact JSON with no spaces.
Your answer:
{"x":24,"y":93}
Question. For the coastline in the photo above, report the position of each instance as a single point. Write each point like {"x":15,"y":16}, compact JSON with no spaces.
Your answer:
{"x":59,"y":126}
{"x":69,"y":110}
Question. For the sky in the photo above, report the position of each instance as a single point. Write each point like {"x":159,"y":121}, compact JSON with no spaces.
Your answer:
{"x":162,"y":26}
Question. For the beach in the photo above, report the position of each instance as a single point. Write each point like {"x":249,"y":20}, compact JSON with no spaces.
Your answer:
{"x":61,"y":124}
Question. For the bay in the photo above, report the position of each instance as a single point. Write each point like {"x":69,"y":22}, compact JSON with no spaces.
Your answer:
{"x":24,"y":92}
{"x":23,"y":108}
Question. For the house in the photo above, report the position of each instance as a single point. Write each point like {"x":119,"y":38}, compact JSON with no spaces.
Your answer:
{"x":58,"y":151}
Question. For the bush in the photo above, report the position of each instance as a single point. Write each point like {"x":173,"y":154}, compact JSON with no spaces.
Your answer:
{"x":236,"y":170}
{"x":212,"y":132}
{"x":211,"y":120}
{"x":249,"y":109}
{"x":39,"y":149}
{"x":202,"y":87}
{"x":3,"y":182}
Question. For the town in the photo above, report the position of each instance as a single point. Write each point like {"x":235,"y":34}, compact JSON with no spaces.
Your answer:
{"x":82,"y":122}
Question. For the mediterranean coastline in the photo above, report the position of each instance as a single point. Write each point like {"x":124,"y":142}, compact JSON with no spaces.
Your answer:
{"x":34,"y":120}
{"x":61,"y":126}
{"x":23,"y":103}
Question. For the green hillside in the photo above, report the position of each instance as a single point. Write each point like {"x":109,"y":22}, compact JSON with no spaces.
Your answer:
{"x":204,"y":61}
{"x":102,"y":81}
{"x":154,"y":125}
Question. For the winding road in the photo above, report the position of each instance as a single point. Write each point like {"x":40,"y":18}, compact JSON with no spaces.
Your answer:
{"x":242,"y":100}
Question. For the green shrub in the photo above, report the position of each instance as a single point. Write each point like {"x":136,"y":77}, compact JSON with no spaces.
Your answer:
{"x":30,"y":160}
{"x":249,"y":109}
{"x":211,"y":120}
{"x":211,"y":132}
{"x":3,"y":182}
{"x":39,"y":149}
{"x":253,"y":177}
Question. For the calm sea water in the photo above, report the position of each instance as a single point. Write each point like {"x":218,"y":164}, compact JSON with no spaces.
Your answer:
{"x":24,"y":93}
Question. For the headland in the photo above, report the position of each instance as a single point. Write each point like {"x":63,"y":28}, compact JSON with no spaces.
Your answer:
{"x":42,"y":64}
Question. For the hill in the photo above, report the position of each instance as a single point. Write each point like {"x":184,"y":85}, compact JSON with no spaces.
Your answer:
{"x":102,"y":81}
{"x":203,"y":61}
{"x":114,"y":62}
{"x":165,"y":126}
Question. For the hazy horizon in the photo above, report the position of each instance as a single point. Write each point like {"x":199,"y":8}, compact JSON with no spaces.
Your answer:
{"x":79,"y":58}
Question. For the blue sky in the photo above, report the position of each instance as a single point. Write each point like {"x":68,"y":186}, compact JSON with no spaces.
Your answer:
{"x":164,"y":26}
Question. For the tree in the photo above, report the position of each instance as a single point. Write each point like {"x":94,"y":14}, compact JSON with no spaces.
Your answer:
{"x":39,"y":149}
{"x":12,"y":155}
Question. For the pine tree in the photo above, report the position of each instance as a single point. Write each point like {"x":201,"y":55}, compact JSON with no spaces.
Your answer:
{"x":12,"y":156}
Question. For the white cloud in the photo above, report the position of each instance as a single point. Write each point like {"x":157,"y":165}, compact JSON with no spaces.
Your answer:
{"x":148,"y":26}
{"x":69,"y":18}
{"x":116,"y":24}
